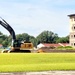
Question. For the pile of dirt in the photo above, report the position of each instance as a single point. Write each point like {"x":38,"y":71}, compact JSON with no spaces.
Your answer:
{"x":48,"y":50}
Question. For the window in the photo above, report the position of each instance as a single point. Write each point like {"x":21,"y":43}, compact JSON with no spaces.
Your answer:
{"x":74,"y":36}
{"x":71,"y":44}
{"x":71,"y":36}
{"x":73,"y":27}
{"x":74,"y":18}
{"x":74,"y":44}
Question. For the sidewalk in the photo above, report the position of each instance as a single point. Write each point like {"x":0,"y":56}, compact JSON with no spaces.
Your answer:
{"x":42,"y":73}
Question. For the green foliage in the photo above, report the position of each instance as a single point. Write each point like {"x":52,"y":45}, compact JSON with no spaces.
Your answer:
{"x":47,"y":37}
{"x":33,"y":40}
{"x":4,"y":40}
{"x":23,"y":37}
{"x":65,"y":48}
{"x":21,"y":62}
{"x":68,"y":47}
{"x":63,"y":40}
{"x":44,"y":37}
{"x":27,"y":38}
{"x":5,"y":43}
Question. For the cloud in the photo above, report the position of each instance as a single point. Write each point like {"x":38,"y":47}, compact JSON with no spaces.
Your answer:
{"x":34,"y":17}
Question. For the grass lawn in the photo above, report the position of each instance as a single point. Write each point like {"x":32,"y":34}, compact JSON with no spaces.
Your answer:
{"x":22,"y":62}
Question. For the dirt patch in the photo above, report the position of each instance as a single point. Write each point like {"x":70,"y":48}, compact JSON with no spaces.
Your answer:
{"x":42,"y":73}
{"x":48,"y":50}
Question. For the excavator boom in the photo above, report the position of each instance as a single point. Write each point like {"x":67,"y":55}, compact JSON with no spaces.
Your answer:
{"x":9,"y":28}
{"x":17,"y":46}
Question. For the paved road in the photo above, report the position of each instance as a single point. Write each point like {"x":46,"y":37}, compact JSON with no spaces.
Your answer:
{"x":42,"y":73}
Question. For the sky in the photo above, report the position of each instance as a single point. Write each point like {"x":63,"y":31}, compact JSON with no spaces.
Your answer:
{"x":35,"y":16}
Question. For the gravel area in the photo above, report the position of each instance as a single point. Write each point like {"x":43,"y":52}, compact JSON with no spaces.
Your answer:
{"x":42,"y":73}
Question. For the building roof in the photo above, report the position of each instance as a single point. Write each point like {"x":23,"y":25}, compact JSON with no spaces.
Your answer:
{"x":50,"y":45}
{"x":1,"y":45}
{"x":64,"y":44}
{"x":71,"y":15}
{"x":55,"y":45}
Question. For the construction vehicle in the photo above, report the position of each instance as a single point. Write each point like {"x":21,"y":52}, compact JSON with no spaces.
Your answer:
{"x":16,"y":45}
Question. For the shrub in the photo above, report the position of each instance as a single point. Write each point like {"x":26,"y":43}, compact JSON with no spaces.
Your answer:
{"x":65,"y":48}
{"x":68,"y":47}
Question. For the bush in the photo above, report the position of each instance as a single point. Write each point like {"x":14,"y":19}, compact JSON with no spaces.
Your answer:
{"x":65,"y":48}
{"x":68,"y":47}
{"x":60,"y":47}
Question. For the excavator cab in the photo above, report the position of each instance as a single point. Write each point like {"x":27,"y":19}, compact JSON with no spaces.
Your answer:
{"x":16,"y":43}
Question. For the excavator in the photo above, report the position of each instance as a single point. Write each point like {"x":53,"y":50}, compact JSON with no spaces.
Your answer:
{"x":16,"y":45}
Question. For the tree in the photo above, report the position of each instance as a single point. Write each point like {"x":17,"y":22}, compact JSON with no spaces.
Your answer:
{"x":33,"y":40}
{"x":27,"y":38}
{"x":23,"y":37}
{"x":4,"y":40}
{"x":5,"y":43}
{"x":47,"y":37}
{"x":43,"y":37}
{"x":63,"y":40}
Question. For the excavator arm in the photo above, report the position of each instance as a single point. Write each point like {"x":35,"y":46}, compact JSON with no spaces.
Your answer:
{"x":17,"y":46}
{"x":9,"y":28}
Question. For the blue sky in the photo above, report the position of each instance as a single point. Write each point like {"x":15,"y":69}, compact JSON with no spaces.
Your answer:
{"x":35,"y":16}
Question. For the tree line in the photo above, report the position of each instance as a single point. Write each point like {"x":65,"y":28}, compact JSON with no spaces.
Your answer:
{"x":43,"y":37}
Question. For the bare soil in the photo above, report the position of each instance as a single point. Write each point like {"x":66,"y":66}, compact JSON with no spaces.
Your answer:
{"x":48,"y":50}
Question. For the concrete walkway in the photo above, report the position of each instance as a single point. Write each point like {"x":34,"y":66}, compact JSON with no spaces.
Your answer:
{"x":42,"y":73}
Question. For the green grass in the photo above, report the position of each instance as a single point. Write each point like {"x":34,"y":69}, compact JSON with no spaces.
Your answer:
{"x":65,"y":48}
{"x":22,"y":62}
